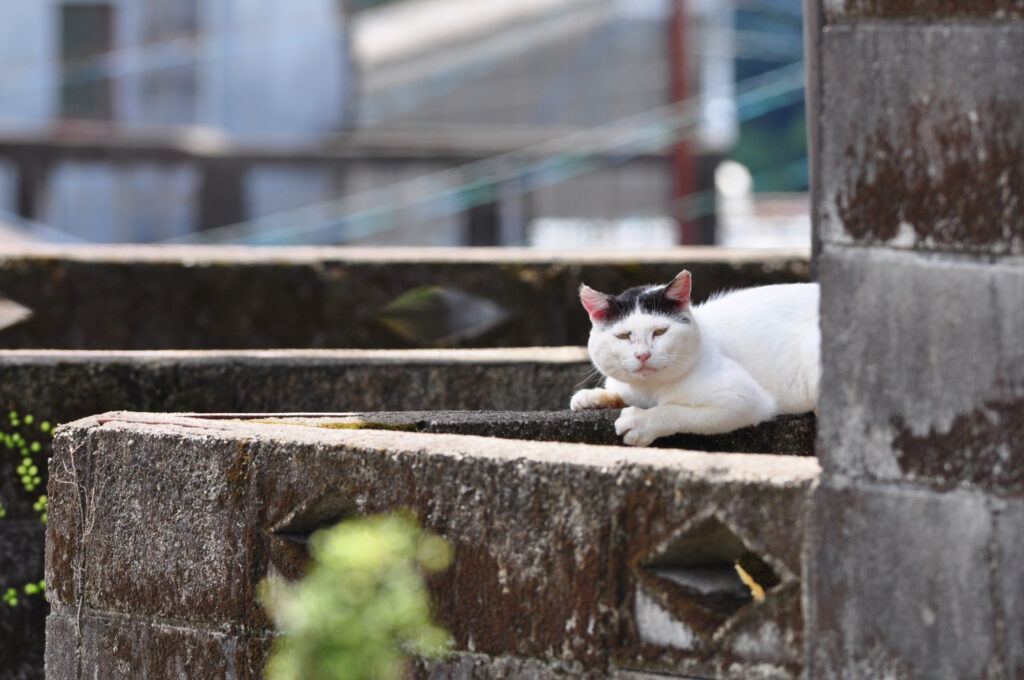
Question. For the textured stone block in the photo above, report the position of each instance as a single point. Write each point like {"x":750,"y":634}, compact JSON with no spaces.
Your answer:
{"x":67,"y":490}
{"x":676,"y":543}
{"x":141,"y":650}
{"x":931,"y":155}
{"x":924,"y":10}
{"x":1009,"y":552}
{"x":166,"y":534}
{"x":523,"y":535}
{"x":899,"y":584}
{"x":230,"y":297}
{"x":926,"y":385}
{"x":62,"y":644}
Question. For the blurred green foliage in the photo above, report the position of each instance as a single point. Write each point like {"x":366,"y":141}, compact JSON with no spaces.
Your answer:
{"x":363,"y":609}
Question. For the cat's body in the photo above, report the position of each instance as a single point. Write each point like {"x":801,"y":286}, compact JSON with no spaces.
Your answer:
{"x":736,"y":360}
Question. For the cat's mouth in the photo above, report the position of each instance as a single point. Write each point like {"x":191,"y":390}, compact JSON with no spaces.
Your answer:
{"x":645,"y":371}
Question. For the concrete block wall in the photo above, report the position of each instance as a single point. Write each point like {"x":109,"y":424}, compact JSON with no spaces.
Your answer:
{"x":913,"y":559}
{"x":144,"y":298}
{"x":570,"y":560}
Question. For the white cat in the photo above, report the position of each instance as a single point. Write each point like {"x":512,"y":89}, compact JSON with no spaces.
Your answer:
{"x":738,"y":359}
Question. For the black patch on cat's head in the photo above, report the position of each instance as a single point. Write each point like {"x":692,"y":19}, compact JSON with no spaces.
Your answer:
{"x":649,"y":299}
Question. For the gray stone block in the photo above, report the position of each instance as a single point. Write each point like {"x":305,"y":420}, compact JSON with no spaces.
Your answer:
{"x":924,"y":10}
{"x":899,"y":584}
{"x":571,"y":556}
{"x":62,"y":645}
{"x":929,"y":155}
{"x":239,"y":298}
{"x":115,"y":648}
{"x":164,"y":536}
{"x":926,"y":385}
{"x":1009,"y":540}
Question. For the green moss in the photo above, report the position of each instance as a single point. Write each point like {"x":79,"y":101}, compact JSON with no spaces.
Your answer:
{"x":350,"y":425}
{"x":367,"y":425}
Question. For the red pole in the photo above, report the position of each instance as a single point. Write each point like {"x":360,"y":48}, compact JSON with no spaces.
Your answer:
{"x":683,"y":167}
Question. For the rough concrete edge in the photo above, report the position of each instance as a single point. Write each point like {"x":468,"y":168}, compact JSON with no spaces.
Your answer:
{"x":743,"y":467}
{"x":569,"y":354}
{"x":204,"y":255}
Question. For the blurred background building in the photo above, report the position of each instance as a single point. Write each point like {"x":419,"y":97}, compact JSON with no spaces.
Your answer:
{"x":556,"y":123}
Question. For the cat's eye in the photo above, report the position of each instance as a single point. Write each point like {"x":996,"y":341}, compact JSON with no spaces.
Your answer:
{"x":660,"y":331}
{"x":623,"y":336}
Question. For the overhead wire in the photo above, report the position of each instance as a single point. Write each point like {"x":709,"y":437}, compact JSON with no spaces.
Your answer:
{"x":458,"y":189}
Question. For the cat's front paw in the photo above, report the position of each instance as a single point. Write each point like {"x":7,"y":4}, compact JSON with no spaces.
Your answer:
{"x":634,"y":425}
{"x":595,"y":398}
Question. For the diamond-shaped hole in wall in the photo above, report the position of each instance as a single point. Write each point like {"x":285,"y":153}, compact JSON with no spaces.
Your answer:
{"x":705,"y":575}
{"x":293,"y":532}
{"x":439,"y":316}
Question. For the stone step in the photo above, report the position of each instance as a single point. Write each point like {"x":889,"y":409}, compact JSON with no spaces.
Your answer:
{"x":139,"y":297}
{"x":569,"y":559}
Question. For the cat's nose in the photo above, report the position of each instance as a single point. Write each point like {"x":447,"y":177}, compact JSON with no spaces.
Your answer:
{"x":642,"y":358}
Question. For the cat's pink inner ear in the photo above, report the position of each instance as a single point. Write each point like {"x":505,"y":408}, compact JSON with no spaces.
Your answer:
{"x":595,"y":303}
{"x":679,"y":289}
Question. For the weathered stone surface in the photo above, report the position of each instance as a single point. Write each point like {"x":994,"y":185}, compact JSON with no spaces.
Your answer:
{"x":786,"y":435}
{"x":64,"y":386}
{"x":1010,"y":585}
{"x":193,"y":568}
{"x":69,"y":502}
{"x":899,"y":584}
{"x":924,"y":10}
{"x":471,"y":666}
{"x":62,"y":644}
{"x":927,"y":385}
{"x":932,"y":155}
{"x":552,"y":541}
{"x":212,"y":297}
{"x":114,"y":648}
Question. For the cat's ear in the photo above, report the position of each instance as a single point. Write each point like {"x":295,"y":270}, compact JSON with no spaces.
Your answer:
{"x":595,"y":303}
{"x":679,"y":290}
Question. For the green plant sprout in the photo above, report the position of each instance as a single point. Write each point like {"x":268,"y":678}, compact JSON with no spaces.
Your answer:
{"x":362,"y":610}
{"x":23,"y":440}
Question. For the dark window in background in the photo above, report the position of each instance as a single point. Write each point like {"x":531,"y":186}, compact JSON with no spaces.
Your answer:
{"x":86,"y":33}
{"x":170,"y":95}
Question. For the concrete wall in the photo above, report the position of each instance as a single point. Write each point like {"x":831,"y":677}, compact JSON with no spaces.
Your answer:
{"x":567,"y":558}
{"x":914,"y":545}
{"x":223,"y":298}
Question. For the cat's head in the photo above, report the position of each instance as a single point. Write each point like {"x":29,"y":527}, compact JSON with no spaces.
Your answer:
{"x":646,"y":335}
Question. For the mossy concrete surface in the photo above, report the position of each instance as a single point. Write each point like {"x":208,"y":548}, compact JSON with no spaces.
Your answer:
{"x":137,"y":297}
{"x":786,"y":435}
{"x":162,"y":526}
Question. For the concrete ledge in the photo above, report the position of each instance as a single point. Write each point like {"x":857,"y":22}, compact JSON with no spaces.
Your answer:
{"x":247,"y":298}
{"x":567,"y":556}
{"x":67,"y":385}
{"x":786,"y":435}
